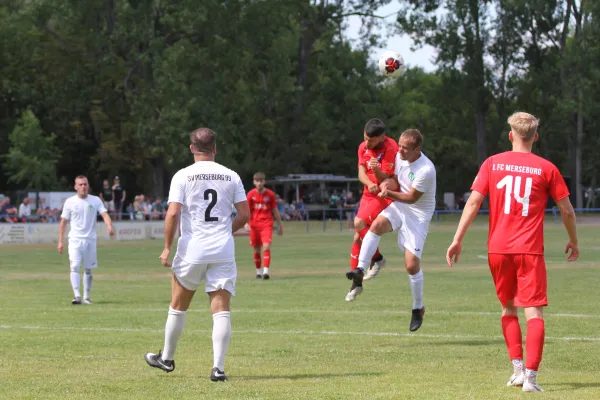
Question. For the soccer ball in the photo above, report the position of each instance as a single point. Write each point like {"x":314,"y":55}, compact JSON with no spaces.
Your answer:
{"x":391,"y":64}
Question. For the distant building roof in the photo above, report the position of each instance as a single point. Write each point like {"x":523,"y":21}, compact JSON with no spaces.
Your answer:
{"x":309,"y":178}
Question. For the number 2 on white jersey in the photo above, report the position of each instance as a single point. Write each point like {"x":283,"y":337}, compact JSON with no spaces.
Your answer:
{"x":507,"y":182}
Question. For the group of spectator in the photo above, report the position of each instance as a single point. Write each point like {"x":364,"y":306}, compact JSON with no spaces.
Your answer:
{"x":144,"y":208}
{"x":26,"y":212}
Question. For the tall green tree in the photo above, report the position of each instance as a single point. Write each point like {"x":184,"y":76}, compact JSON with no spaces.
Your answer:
{"x":31,"y":159}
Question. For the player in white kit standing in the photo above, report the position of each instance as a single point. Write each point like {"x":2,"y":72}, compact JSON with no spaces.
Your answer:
{"x":202,"y":196}
{"x":81,"y":210}
{"x":409,"y":214}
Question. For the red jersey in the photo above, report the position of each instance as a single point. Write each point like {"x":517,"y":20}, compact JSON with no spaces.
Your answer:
{"x":261,"y":206}
{"x":519,"y":185}
{"x":385,"y":154}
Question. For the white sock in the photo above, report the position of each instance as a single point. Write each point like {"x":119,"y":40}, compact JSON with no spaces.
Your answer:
{"x":173,"y":331}
{"x":87,"y":283}
{"x":75,"y":283}
{"x":518,"y":365}
{"x":220,"y":337}
{"x":265,"y":270}
{"x":369,"y":245}
{"x":416,"y":287}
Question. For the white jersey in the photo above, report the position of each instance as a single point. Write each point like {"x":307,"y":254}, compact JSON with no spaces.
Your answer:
{"x":420,"y":175}
{"x":82,"y":213}
{"x":207,"y":191}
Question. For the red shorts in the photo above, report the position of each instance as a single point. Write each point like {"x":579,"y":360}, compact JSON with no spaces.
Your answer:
{"x":370,"y":207}
{"x":519,"y":277}
{"x":261,"y":235}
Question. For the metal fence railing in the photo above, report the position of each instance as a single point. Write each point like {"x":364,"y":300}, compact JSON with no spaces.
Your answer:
{"x":326,"y":218}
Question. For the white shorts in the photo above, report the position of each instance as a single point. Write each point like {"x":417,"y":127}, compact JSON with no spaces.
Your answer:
{"x":82,"y":252}
{"x":215,"y":275}
{"x":412,"y":233}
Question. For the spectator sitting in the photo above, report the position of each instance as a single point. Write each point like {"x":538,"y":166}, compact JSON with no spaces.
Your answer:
{"x":157,"y":210}
{"x":301,"y":210}
{"x":8,"y":212}
{"x":53,"y":214}
{"x":25,"y":211}
{"x":138,"y":211}
{"x":145,"y":206}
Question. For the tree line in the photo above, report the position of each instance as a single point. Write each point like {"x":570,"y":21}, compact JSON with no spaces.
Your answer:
{"x":113,"y":87}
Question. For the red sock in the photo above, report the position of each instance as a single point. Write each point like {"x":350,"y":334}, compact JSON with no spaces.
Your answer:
{"x":376,"y":255}
{"x":512,"y":335}
{"x":257,"y":259}
{"x":354,"y":252}
{"x":534,"y":343}
{"x":267,"y":258}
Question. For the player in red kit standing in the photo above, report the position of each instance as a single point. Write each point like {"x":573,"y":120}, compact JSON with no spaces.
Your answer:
{"x":376,"y":160}
{"x":263,"y":207}
{"x":519,"y":183}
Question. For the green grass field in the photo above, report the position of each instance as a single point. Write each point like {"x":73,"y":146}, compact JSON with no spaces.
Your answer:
{"x":294,"y":336}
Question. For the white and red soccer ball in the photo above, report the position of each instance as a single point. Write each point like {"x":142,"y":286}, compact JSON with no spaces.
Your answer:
{"x":391,"y":64}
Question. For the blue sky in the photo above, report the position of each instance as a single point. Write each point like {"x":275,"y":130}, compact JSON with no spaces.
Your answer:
{"x":401,"y":44}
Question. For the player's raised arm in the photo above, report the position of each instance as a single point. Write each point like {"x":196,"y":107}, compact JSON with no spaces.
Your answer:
{"x":568,"y":217}
{"x":364,"y":179}
{"x":379,"y":174}
{"x":409,"y":198}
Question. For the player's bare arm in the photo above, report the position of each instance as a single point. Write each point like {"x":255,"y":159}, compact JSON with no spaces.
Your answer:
{"x":568,"y":217}
{"x":242,"y":217}
{"x":171,"y":223}
{"x":469,"y":213}
{"x":279,"y":223}
{"x":379,"y":174}
{"x":108,"y":222}
{"x":409,"y":198}
{"x":61,"y":234}
{"x":364,"y":179}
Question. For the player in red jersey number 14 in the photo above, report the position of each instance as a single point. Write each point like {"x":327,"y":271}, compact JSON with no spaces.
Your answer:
{"x":519,"y":183}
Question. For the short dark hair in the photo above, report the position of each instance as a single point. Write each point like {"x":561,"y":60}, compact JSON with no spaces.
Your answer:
{"x":203,"y":140}
{"x":375,"y":127}
{"x":259,"y":176}
{"x":415,"y":136}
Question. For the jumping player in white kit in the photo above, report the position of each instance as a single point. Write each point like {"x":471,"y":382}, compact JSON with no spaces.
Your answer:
{"x":202,"y":196}
{"x":81,"y":210}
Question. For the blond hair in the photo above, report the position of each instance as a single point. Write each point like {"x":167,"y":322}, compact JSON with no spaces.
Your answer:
{"x":524,"y":125}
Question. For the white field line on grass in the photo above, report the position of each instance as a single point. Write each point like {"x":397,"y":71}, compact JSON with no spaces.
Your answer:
{"x":290,"y":332}
{"x":291,"y":311}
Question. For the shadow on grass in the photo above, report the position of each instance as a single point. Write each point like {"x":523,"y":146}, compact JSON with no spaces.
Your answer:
{"x":304,"y":376}
{"x":465,"y":342}
{"x":570,"y":385}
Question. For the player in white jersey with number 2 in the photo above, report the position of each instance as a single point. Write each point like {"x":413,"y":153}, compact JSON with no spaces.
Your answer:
{"x":81,"y":210}
{"x":409,"y":214}
{"x":201,"y":200}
